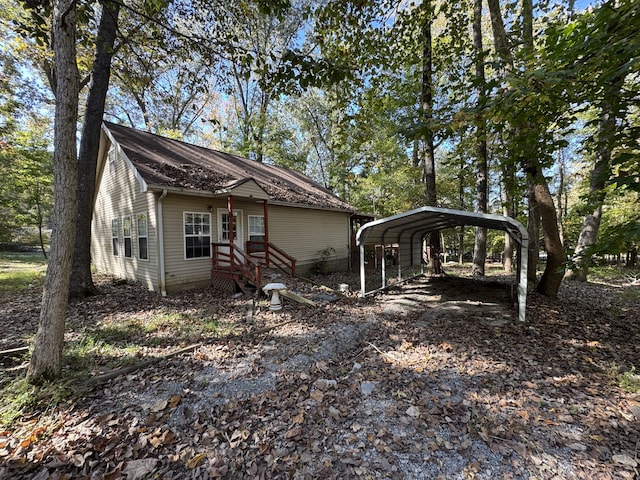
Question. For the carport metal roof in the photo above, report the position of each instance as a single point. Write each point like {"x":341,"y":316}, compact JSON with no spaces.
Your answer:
{"x":403,"y":228}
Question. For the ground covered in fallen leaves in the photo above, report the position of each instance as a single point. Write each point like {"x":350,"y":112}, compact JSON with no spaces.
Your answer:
{"x":433,"y":379}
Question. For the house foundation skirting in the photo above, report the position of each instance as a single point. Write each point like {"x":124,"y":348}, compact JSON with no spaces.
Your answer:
{"x":223,"y":281}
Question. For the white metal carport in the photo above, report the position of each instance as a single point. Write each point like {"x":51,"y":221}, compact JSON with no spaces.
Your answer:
{"x":408,"y":230}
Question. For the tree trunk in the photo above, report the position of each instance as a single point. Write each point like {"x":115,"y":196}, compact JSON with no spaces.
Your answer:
{"x":508,"y":210}
{"x":599,"y":175}
{"x":462,"y":205}
{"x":429,"y":149}
{"x":561,"y":195}
{"x":551,"y":279}
{"x":480,"y":246}
{"x":46,"y":360}
{"x":81,"y":280}
{"x":533,"y":229}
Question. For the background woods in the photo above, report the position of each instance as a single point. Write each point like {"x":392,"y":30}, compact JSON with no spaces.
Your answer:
{"x":525,"y":108}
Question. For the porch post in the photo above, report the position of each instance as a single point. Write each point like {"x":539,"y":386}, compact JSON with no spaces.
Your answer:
{"x":266,"y":220}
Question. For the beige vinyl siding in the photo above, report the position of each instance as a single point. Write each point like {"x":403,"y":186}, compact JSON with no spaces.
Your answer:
{"x":304,"y":232}
{"x":180,"y":272}
{"x":118,"y":196}
{"x":250,"y":189}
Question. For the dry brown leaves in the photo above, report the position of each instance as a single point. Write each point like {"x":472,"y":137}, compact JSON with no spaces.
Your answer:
{"x":344,"y":391}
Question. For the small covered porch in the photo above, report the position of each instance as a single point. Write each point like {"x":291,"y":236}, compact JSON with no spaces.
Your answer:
{"x":237,"y":262}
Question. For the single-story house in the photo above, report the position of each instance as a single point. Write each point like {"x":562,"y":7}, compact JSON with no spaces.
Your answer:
{"x":166,"y":212}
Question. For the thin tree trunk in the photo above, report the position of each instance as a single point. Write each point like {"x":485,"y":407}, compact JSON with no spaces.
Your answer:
{"x":551,"y":279}
{"x":462,"y":205}
{"x":503,"y":50}
{"x":429,"y":149}
{"x":480,"y":246}
{"x":561,"y":195}
{"x":81,"y":280}
{"x":508,"y":210}
{"x":46,"y":360}
{"x":533,"y":229}
{"x":599,"y":175}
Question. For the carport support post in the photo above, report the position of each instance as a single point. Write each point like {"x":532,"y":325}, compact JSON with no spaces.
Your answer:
{"x":522,"y":280}
{"x":362,"y":275}
{"x":383,"y":263}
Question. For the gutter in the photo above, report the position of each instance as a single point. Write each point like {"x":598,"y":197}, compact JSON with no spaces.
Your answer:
{"x":160,"y":243}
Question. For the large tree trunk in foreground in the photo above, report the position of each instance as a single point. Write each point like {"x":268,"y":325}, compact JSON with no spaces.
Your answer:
{"x":46,"y":361}
{"x":81,"y":280}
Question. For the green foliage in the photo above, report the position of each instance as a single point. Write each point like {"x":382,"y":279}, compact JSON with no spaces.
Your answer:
{"x":321,"y":265}
{"x":626,"y":378}
{"x":26,"y":192}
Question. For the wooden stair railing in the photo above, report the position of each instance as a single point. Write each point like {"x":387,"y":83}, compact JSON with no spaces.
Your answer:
{"x":272,"y":255}
{"x":238,"y":263}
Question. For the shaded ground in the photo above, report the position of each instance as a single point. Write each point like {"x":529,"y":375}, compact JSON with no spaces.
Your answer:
{"x":431,"y":380}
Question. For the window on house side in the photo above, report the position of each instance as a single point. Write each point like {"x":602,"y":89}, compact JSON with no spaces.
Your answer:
{"x":126,"y":234}
{"x":143,"y":237}
{"x":197,"y":235}
{"x":115,"y":241}
{"x":113,"y":156}
{"x":256,"y":228}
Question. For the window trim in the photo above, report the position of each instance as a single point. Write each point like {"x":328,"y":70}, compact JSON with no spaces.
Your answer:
{"x":185,"y":235}
{"x":112,"y":155}
{"x":126,"y":237}
{"x":250,"y":233}
{"x":145,"y":236}
{"x":238,"y":226}
{"x":115,"y":240}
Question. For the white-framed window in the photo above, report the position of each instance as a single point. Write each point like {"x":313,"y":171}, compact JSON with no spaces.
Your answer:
{"x":197,"y":235}
{"x":112,"y":157}
{"x":126,"y":235}
{"x":225,"y":227}
{"x":115,"y":238}
{"x":256,"y":228}
{"x":142,"y":223}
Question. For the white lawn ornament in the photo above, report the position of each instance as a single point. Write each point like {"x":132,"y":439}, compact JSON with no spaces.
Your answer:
{"x":274,"y":289}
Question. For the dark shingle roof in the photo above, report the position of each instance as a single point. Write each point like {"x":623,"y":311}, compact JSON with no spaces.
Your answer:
{"x":163,"y":162}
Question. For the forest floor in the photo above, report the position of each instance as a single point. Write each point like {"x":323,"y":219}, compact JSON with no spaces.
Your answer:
{"x":433,"y":379}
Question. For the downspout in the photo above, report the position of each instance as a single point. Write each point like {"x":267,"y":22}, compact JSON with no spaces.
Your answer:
{"x":160,"y":242}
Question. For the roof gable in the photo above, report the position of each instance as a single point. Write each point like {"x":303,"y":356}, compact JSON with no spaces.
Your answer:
{"x":166,"y":163}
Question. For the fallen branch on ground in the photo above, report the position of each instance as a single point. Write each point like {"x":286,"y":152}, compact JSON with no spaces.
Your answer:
{"x":13,"y":351}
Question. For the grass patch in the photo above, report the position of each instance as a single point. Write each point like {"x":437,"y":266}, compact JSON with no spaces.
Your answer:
{"x":19,"y":398}
{"x":13,"y":281}
{"x":627,"y":379}
{"x":19,"y":271}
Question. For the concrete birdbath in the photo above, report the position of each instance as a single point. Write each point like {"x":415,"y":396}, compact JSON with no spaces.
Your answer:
{"x":274,"y":290}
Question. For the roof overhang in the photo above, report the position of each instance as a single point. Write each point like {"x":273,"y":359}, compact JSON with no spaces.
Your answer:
{"x":428,"y":219}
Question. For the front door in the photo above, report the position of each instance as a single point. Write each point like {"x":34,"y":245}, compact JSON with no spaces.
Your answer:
{"x":224,"y":233}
